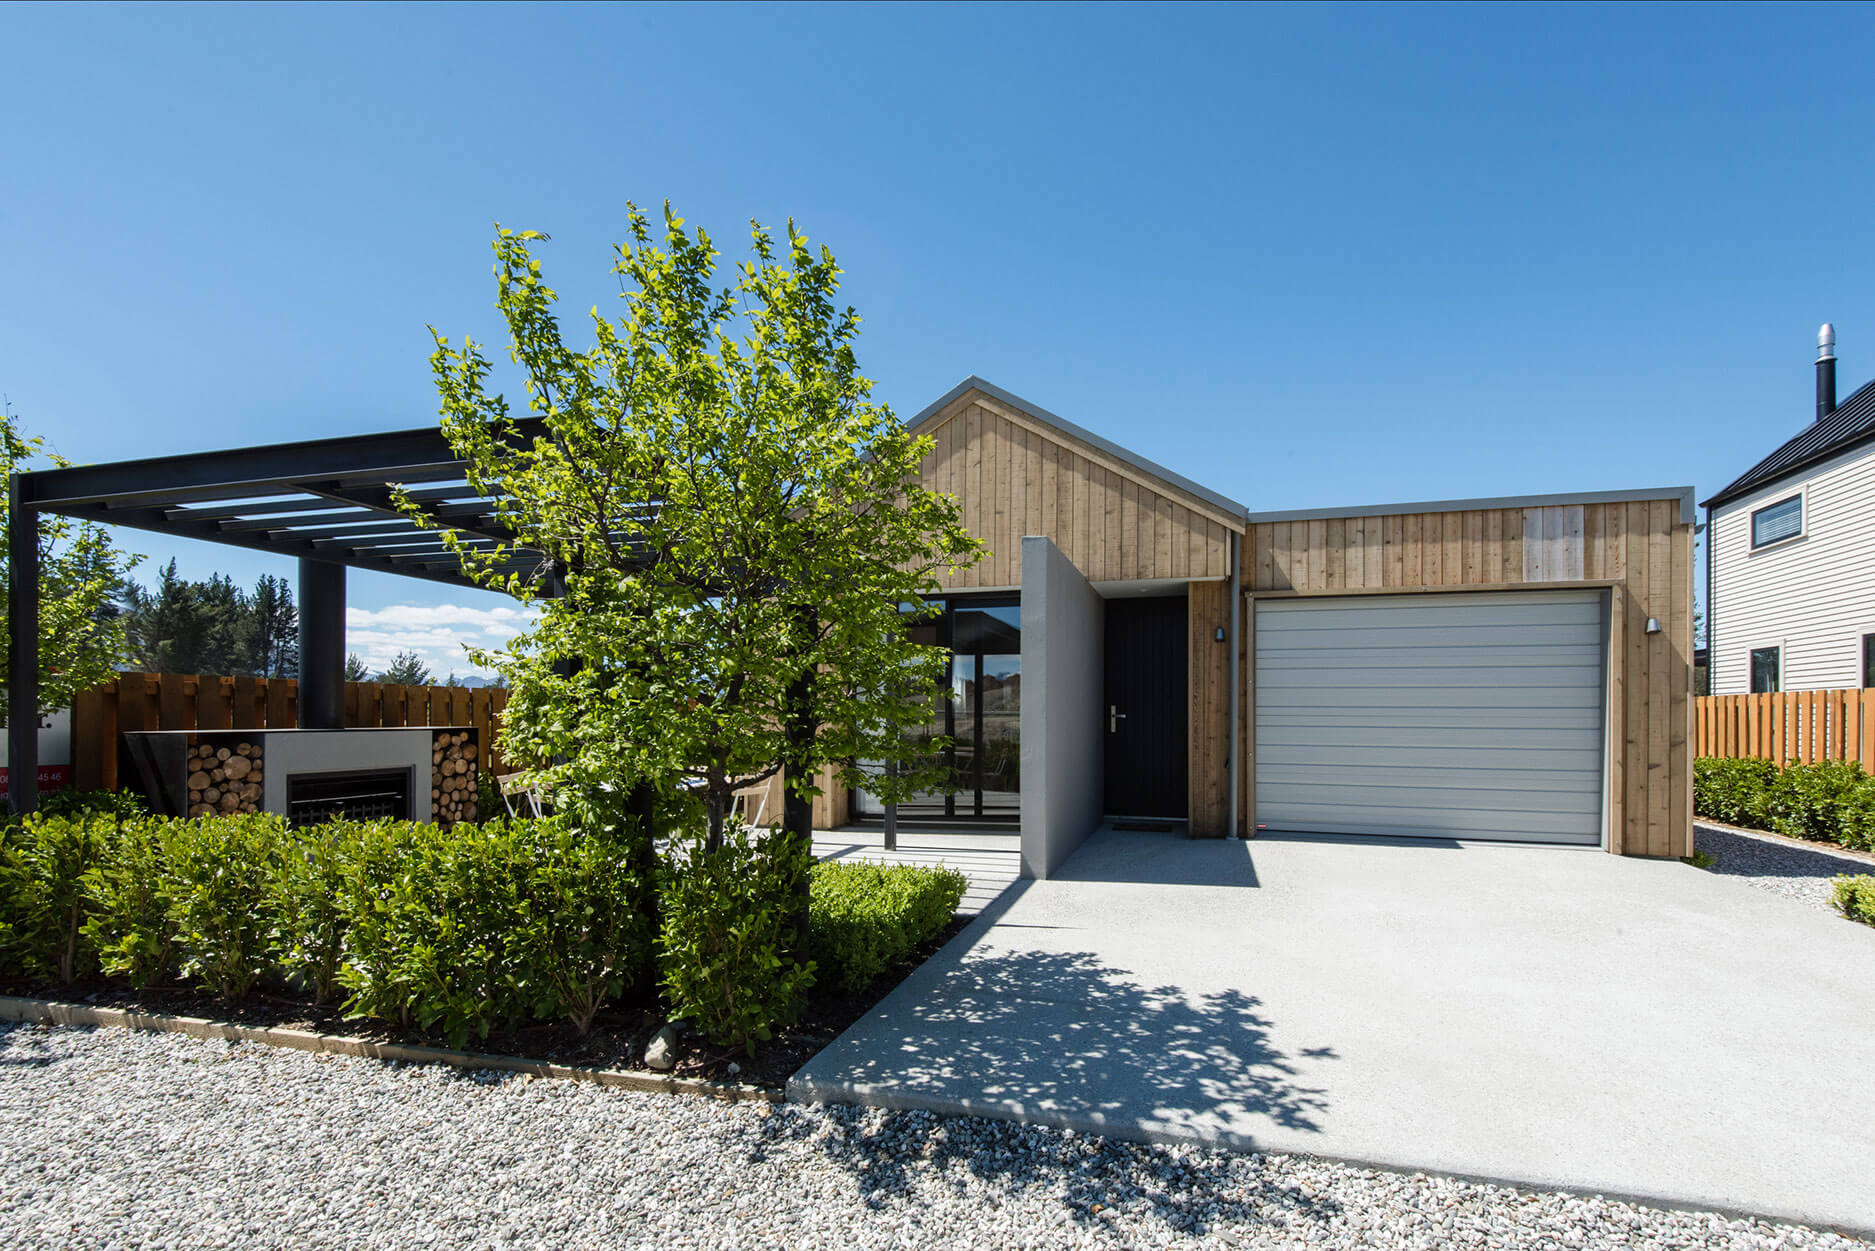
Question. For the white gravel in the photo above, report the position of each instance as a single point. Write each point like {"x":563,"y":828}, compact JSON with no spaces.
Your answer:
{"x":1794,"y":870}
{"x":110,"y":1138}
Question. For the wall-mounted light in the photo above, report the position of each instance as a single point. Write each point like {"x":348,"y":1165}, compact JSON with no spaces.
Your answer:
{"x":1220,"y":634}
{"x":1653,"y":625}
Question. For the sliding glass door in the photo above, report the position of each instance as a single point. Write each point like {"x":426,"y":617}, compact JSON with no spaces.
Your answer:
{"x":979,"y":710}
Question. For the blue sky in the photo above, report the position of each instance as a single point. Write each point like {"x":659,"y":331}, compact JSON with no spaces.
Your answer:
{"x":1306,"y":256}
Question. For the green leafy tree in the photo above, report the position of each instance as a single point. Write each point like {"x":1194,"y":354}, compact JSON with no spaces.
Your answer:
{"x":81,"y":634}
{"x":407,"y":669}
{"x":726,"y":529}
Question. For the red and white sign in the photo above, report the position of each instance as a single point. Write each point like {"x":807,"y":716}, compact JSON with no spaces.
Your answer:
{"x":51,"y":777}
{"x":55,"y":752}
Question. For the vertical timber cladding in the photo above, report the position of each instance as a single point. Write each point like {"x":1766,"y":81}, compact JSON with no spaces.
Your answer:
{"x":1640,"y":549}
{"x":1014,"y":475}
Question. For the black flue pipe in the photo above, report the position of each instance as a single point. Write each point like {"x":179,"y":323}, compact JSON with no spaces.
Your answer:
{"x":1825,"y":372}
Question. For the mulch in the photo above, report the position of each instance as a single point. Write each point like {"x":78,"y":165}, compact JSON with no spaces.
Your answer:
{"x":616,"y":1041}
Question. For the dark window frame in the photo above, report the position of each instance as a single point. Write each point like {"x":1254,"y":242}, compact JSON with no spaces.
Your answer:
{"x":1776,"y":655}
{"x":1803,"y":520}
{"x":1868,"y":660}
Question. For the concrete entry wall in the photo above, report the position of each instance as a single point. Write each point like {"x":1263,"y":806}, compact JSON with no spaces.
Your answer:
{"x":1062,"y":740}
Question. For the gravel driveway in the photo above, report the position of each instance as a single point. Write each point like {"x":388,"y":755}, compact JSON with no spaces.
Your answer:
{"x":1790,"y":869}
{"x":111,"y":1138}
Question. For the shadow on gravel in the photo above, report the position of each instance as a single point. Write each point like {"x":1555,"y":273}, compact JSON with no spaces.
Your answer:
{"x":1738,"y":855}
{"x":1039,"y":1036}
{"x":23,"y":1046}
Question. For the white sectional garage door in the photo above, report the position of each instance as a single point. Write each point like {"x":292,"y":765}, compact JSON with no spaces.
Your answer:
{"x":1449,"y":715}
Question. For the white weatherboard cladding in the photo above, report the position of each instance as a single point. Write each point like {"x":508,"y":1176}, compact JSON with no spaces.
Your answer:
{"x":1813,"y":596}
{"x":1448,"y":715}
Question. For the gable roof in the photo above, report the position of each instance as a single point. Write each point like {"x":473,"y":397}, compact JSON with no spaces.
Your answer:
{"x":1061,"y":425}
{"x":1852,"y":424}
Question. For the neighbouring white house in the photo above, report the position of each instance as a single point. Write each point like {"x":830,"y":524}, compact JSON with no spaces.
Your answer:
{"x":1790,"y":554}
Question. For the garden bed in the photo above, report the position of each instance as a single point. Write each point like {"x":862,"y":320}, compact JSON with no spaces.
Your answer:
{"x":616,"y":1042}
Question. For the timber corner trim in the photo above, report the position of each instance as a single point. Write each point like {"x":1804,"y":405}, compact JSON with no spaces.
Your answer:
{"x":54,"y":1012}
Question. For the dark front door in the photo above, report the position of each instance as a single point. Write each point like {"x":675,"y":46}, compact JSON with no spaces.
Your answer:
{"x":1145,"y":707}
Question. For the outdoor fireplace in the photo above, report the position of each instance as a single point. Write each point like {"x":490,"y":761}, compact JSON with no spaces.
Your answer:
{"x":357,"y":795}
{"x":308,"y":776}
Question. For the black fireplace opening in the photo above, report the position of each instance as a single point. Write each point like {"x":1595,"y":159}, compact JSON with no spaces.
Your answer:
{"x":358,"y":795}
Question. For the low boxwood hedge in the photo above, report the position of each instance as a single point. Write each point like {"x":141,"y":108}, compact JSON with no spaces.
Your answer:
{"x":1855,"y":897}
{"x":867,"y":917}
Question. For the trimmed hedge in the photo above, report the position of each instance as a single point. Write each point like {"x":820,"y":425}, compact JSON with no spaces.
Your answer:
{"x":1736,"y":792}
{"x":867,"y":917}
{"x":460,"y":930}
{"x":730,"y":916}
{"x":1831,"y":801}
{"x":1854,"y":897}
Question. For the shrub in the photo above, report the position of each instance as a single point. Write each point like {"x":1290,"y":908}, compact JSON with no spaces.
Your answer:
{"x":1812,"y":801}
{"x":132,"y":925}
{"x":371,"y":898}
{"x":44,"y":906}
{"x":583,"y":932}
{"x":309,"y":903}
{"x":68,"y":802}
{"x":867,"y":917}
{"x":1855,"y":897}
{"x":434,"y":924}
{"x":222,"y":872}
{"x":728,"y":918}
{"x":1736,"y":792}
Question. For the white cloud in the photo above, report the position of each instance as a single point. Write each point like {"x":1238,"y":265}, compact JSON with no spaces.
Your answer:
{"x":436,"y":632}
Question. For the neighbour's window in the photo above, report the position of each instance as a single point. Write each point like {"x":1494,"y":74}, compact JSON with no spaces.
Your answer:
{"x":1776,"y":522}
{"x":1764,"y":669}
{"x":1868,"y":660}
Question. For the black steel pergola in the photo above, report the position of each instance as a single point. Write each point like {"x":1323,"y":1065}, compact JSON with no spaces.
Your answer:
{"x":328,"y":502}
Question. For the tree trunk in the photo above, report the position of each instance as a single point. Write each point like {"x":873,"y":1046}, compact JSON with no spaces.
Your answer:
{"x":716,"y":801}
{"x":641,"y":807}
{"x":797,"y":811}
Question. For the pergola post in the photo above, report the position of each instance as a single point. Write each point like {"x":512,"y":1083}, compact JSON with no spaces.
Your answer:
{"x":321,"y":645}
{"x":23,"y":655}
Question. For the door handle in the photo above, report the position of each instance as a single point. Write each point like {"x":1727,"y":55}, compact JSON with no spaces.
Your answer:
{"x":1114,"y":717}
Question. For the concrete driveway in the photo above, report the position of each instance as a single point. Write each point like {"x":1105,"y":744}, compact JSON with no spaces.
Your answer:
{"x":1559,"y":1018}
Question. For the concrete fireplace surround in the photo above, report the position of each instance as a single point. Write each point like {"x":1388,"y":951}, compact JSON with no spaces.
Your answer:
{"x":291,"y":752}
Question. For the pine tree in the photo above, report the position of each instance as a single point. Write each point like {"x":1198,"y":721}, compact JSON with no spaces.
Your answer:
{"x":407,"y":670}
{"x":269,"y":642}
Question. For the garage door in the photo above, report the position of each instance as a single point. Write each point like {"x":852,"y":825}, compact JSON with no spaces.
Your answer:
{"x":1440,"y":716}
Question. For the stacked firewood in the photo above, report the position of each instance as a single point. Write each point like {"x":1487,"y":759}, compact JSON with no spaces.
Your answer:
{"x":452,"y":778}
{"x":224,"y":779}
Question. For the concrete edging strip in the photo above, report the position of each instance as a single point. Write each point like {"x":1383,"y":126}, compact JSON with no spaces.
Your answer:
{"x":53,"y":1012}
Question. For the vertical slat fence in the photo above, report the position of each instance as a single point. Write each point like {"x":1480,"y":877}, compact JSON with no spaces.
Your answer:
{"x":1805,"y":726}
{"x":186,"y":701}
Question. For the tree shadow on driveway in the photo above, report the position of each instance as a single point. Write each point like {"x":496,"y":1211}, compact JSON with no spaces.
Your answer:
{"x":1061,"y":1039}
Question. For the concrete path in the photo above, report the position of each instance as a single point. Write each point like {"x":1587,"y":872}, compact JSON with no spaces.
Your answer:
{"x":1559,"y":1018}
{"x":992,"y":860}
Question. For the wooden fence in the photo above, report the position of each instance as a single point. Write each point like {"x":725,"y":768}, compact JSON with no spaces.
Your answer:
{"x":1806,"y":726}
{"x":187,"y":701}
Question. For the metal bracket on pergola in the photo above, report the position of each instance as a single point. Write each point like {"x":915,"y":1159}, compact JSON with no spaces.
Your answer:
{"x":327,"y":502}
